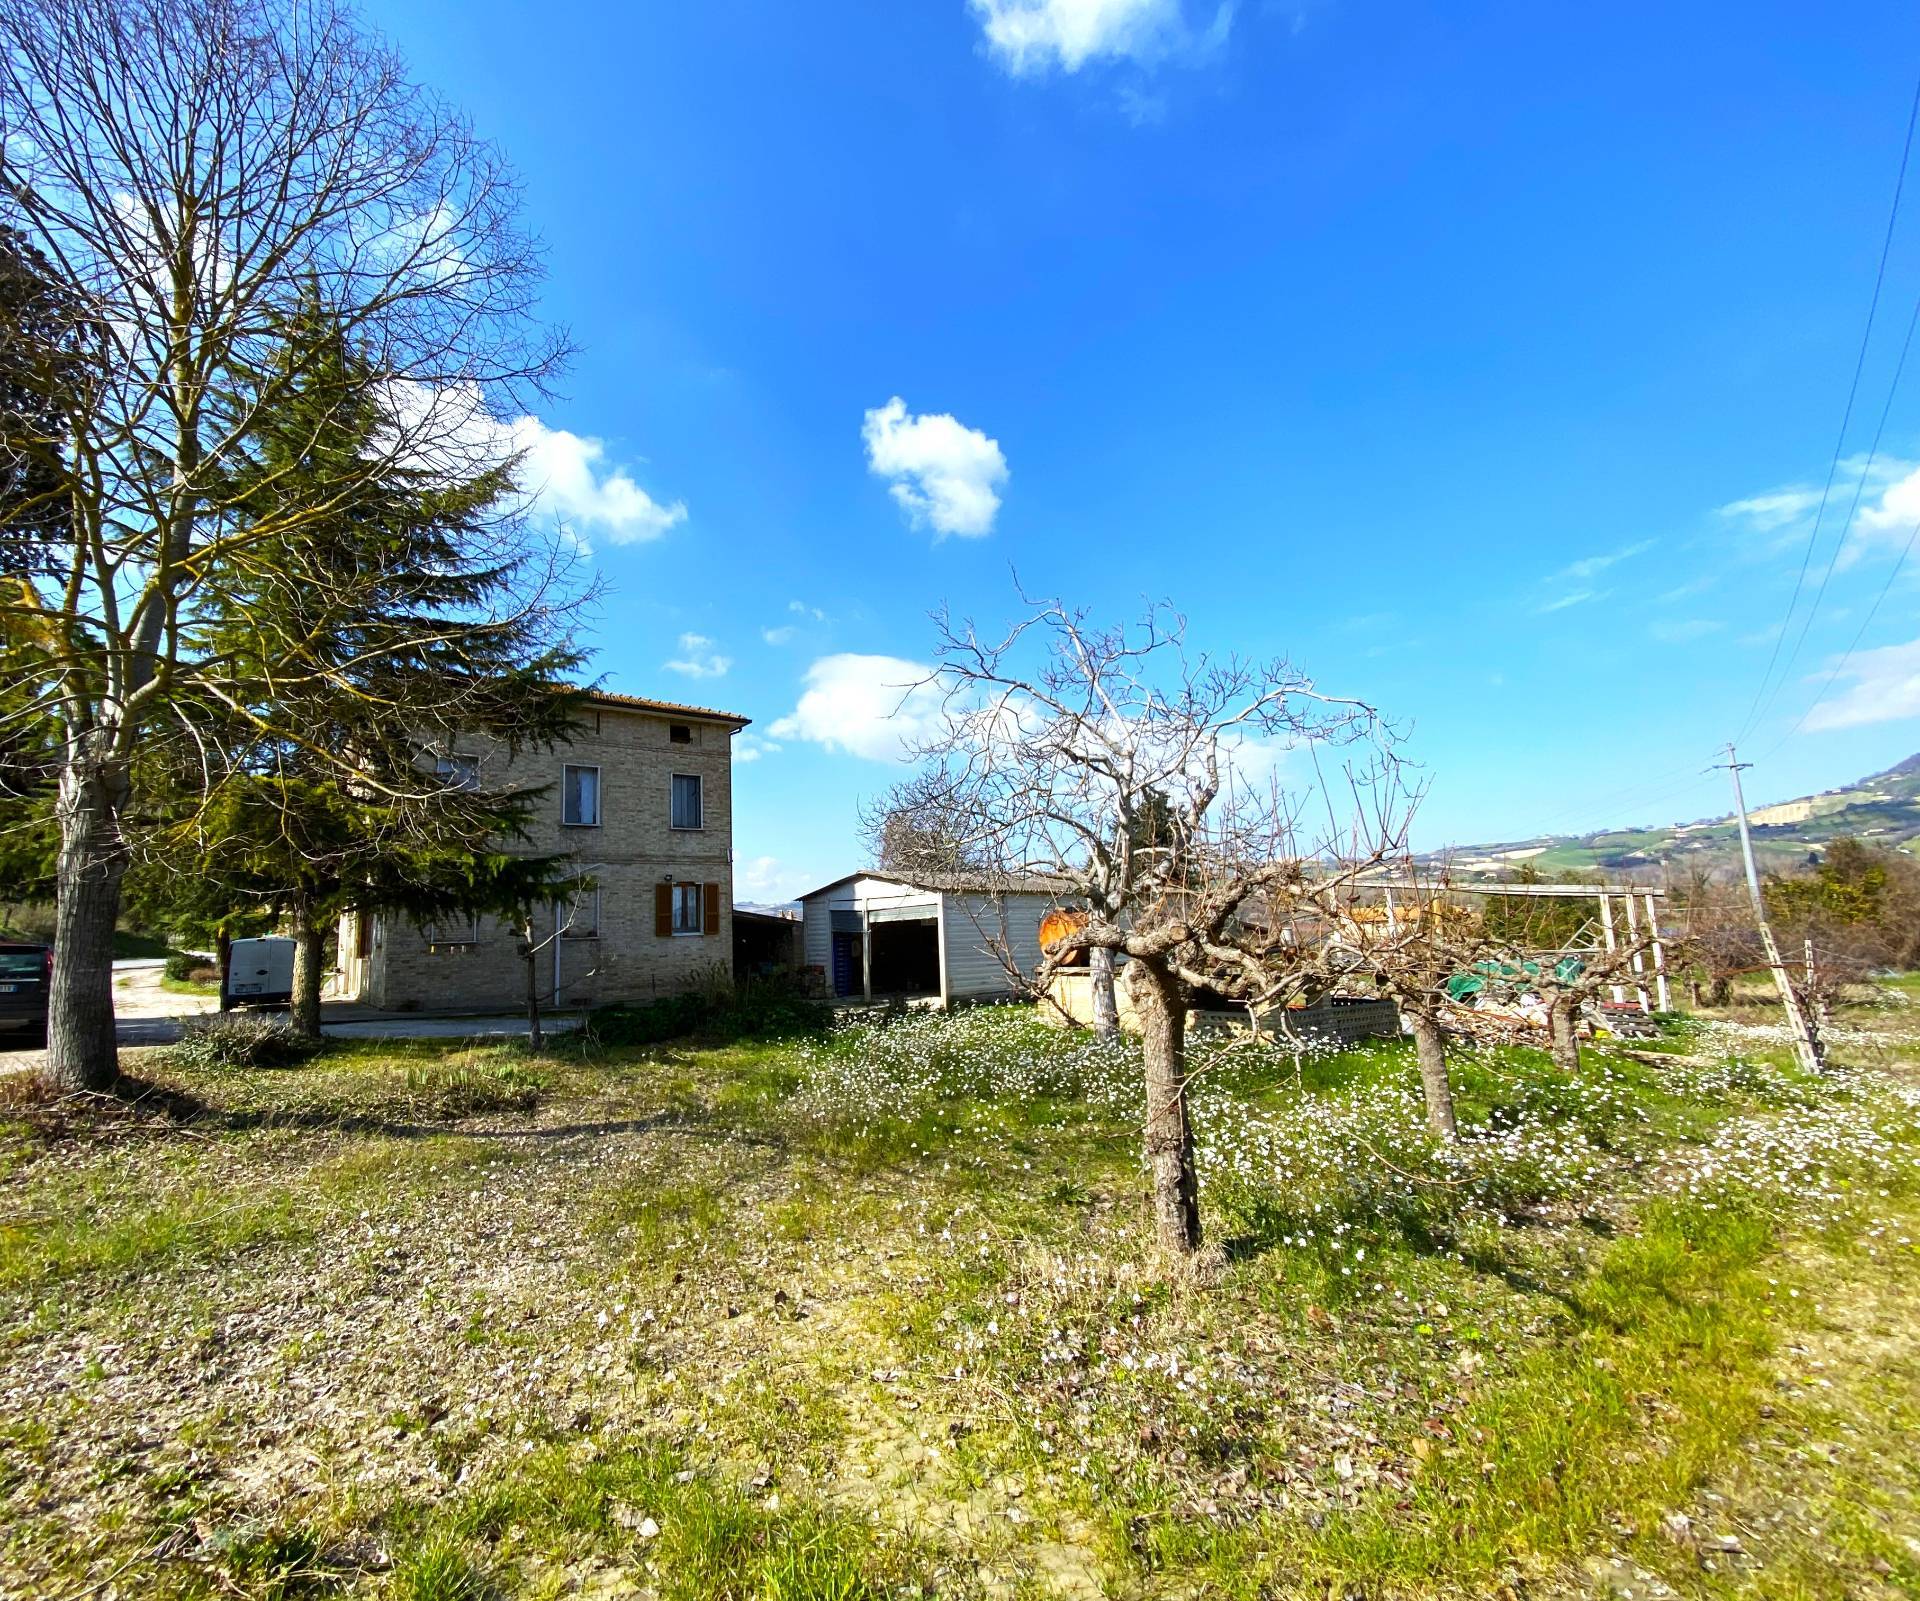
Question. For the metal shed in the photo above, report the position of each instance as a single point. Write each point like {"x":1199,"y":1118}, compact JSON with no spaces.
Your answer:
{"x":937,"y":938}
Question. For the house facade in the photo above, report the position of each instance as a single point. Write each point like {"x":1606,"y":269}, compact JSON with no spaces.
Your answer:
{"x":642,"y":800}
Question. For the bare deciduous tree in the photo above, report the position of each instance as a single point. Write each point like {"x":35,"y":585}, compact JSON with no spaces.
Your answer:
{"x":1146,"y":783}
{"x":194,"y":171}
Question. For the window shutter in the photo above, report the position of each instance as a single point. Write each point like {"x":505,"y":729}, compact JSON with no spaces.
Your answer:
{"x":663,"y":911}
{"x":711,"y":921}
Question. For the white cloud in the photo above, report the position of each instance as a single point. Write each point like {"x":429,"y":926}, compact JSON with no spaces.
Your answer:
{"x":1889,"y":520}
{"x":801,"y":609}
{"x":564,"y":473}
{"x":1776,"y":509}
{"x":1693,"y":586}
{"x":1592,"y":566}
{"x":1575,"y":597}
{"x":871,"y":706}
{"x":698,"y":658}
{"x":943,"y":473}
{"x":1886,"y":491}
{"x":1683,"y":631}
{"x":1885,"y":686}
{"x":1033,"y":36}
{"x":766,"y":878}
{"x":751,"y":747}
{"x":779,"y":636}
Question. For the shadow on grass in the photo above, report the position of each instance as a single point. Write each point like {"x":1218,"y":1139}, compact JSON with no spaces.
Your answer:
{"x":136,"y":1106}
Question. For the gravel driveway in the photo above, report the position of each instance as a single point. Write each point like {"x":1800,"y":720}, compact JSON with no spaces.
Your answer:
{"x":149,"y":1015}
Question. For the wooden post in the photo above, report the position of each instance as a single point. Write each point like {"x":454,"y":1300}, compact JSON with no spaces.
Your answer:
{"x":866,"y":954}
{"x":1662,"y":992}
{"x":1606,"y":928}
{"x":1639,"y":967}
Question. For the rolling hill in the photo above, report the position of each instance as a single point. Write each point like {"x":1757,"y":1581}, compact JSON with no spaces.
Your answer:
{"x":1883,"y":808}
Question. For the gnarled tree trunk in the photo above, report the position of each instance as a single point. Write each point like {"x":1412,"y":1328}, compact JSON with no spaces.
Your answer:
{"x":1430,"y":1047}
{"x":81,"y":1049}
{"x":1565,"y":1038}
{"x":309,"y":971}
{"x":1169,"y":1133}
{"x":1106,"y":1010}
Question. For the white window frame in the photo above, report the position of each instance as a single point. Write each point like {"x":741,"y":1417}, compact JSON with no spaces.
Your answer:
{"x":457,"y":771}
{"x":589,"y":901}
{"x":437,"y":940}
{"x":599,"y":794}
{"x":698,"y":892}
{"x":700,"y":793}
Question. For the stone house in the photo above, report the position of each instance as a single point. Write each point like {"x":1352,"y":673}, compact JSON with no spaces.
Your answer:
{"x":642,"y":799}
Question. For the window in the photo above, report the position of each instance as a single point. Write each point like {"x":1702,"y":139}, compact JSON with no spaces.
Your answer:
{"x":680,"y":733}
{"x":686,"y":800}
{"x":579,"y":914}
{"x":460,"y":772}
{"x":454,"y":931}
{"x":686,"y":909}
{"x":580,"y":797}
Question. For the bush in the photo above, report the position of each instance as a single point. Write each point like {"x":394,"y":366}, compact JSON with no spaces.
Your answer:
{"x":182,"y":966}
{"x":758,"y":1008}
{"x":222,"y":1041}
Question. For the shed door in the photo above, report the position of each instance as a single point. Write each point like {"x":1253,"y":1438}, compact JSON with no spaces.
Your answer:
{"x":846,"y":964}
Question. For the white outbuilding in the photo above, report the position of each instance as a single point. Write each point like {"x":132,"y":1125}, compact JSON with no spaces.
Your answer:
{"x":931,"y":937}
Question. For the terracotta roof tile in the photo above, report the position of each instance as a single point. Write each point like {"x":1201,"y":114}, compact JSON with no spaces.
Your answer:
{"x":606,"y":697}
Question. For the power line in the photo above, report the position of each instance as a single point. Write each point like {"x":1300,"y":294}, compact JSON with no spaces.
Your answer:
{"x":1846,"y":417}
{"x":1860,"y":633}
{"x":1840,"y":541}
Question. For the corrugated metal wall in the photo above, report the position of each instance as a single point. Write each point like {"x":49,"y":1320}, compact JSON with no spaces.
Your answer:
{"x":974,"y":970}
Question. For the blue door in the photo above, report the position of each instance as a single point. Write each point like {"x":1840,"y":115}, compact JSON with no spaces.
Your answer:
{"x":846,"y":964}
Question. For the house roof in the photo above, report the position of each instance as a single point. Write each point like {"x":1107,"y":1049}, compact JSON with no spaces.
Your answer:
{"x":642,"y":703}
{"x":956,"y":883}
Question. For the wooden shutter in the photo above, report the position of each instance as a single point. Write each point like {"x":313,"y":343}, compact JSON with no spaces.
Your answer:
{"x":710,"y":921}
{"x":663,"y":911}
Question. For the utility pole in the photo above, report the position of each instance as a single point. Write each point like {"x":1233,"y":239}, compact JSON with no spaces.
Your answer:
{"x":1806,"y":1047}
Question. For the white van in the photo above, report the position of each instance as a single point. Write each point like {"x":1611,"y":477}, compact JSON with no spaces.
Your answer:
{"x":260,"y":971}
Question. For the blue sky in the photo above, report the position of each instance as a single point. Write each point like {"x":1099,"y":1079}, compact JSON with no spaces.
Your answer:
{"x":1486,"y":360}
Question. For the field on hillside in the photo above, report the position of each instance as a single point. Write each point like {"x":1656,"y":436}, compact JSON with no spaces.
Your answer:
{"x":875,"y":1313}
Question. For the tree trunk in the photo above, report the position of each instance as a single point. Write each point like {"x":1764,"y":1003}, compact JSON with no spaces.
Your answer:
{"x":1106,"y":1009}
{"x":309,"y":963}
{"x":536,"y":1036}
{"x":223,"y":954}
{"x":1169,"y":1133}
{"x":81,"y":1050}
{"x":1430,"y":1047}
{"x":1564,"y":1036}
{"x":1722,"y":991}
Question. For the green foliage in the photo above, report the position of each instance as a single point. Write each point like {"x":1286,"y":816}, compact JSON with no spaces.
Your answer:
{"x":757,"y":1008}
{"x":469,"y":1086}
{"x":274,"y":1563}
{"x":359,"y":624}
{"x":444,"y":1569}
{"x":240,"y":1041}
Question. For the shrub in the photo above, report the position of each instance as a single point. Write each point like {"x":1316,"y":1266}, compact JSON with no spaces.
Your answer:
{"x":228,"y":1040}
{"x":465,"y":1087}
{"x":182,"y":966}
{"x":758,"y":1008}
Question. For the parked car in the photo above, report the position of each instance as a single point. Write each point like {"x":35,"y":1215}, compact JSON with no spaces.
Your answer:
{"x":26,"y":977}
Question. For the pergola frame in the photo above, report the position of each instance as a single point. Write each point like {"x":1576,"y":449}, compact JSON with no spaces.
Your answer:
{"x":1636,"y":898}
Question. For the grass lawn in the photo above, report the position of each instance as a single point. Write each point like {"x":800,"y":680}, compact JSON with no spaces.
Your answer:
{"x":877,"y":1314}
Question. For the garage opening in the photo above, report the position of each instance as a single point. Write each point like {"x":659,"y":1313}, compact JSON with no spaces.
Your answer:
{"x":906,"y":955}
